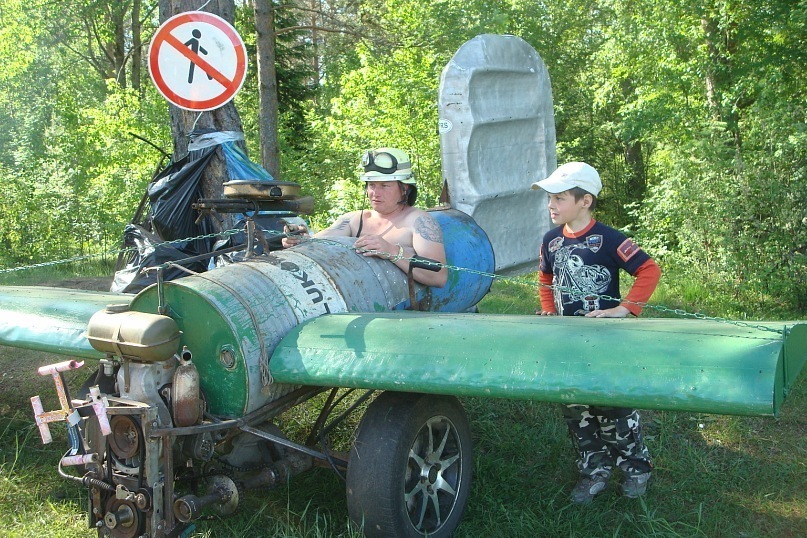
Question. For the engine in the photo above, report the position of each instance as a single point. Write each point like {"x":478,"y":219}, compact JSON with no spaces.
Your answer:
{"x":179,"y":419}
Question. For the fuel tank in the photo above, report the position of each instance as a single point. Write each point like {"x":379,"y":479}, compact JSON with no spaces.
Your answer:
{"x":233,"y":317}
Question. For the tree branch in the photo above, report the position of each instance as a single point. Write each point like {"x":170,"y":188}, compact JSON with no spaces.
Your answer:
{"x":290,"y":29}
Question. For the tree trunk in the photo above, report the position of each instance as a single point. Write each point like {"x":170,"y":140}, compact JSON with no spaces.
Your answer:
{"x":118,"y":45}
{"x":711,"y":36}
{"x":224,"y":118}
{"x":137,"y":53}
{"x":637,"y":178}
{"x":636,"y":184}
{"x":719,"y":76}
{"x":316,"y":9}
{"x":267,"y":85}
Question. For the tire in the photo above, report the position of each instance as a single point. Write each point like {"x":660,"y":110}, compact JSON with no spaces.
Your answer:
{"x":409,"y":470}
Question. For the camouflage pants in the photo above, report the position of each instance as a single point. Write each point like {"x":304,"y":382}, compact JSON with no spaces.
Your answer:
{"x":607,"y":436}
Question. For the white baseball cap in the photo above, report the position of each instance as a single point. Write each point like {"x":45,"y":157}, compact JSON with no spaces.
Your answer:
{"x":569,"y":176}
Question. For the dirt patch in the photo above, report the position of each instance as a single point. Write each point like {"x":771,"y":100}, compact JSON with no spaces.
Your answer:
{"x":19,"y":380}
{"x":96,"y":283}
{"x":18,"y":376}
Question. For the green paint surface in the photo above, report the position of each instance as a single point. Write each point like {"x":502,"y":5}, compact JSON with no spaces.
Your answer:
{"x":691,"y":365}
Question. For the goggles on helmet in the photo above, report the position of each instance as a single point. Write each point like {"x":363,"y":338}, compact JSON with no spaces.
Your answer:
{"x":368,"y":161}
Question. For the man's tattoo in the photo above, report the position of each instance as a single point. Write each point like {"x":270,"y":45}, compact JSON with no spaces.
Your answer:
{"x":341,"y":225}
{"x":428,"y":229}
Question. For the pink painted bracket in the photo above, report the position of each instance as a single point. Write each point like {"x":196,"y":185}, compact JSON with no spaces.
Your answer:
{"x":42,"y":417}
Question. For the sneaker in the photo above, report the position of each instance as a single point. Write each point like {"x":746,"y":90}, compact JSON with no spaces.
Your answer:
{"x":588,"y":487}
{"x":635,"y":485}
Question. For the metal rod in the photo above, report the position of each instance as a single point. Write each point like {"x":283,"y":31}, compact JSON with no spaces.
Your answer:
{"x":323,"y":416}
{"x":206,"y":256}
{"x":285,"y":442}
{"x":361,"y":399}
{"x":255,"y":417}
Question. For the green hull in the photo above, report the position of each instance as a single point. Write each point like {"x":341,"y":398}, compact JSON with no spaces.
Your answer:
{"x":684,"y":365}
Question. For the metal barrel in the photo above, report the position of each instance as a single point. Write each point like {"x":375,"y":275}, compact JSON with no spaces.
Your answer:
{"x":233,"y":317}
{"x":468,"y":247}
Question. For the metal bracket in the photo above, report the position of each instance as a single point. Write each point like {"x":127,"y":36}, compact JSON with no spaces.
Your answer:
{"x":67,"y":413}
{"x":42,"y":417}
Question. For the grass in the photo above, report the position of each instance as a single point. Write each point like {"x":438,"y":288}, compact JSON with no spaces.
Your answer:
{"x":93,"y":268}
{"x":715,"y":475}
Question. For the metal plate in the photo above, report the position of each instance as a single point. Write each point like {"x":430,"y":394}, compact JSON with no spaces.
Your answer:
{"x":497,"y":136}
{"x":261,"y":190}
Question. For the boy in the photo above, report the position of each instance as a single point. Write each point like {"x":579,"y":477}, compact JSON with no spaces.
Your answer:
{"x":581,"y":259}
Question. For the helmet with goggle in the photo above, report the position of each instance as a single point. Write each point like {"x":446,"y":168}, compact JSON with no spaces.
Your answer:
{"x":387,"y":164}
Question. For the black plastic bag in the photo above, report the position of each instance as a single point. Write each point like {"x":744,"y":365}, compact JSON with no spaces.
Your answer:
{"x":172,"y":194}
{"x":147,"y":250}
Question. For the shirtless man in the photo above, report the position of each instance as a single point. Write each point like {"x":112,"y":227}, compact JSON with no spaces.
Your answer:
{"x":393,"y":229}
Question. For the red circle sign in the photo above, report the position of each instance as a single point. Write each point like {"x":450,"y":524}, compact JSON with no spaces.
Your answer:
{"x":197,"y":61}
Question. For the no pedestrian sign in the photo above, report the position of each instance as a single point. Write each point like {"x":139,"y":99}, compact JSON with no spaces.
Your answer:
{"x":197,"y":61}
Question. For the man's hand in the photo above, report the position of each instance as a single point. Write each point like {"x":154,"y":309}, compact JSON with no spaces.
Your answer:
{"x":384,"y":248}
{"x":295,"y":233}
{"x":615,"y":312}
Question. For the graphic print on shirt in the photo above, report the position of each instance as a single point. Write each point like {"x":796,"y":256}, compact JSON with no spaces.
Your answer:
{"x":574,"y":280}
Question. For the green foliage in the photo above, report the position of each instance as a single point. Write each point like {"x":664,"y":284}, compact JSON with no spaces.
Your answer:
{"x":71,"y":171}
{"x":74,"y":196}
{"x":733,"y":215}
{"x":693,"y":113}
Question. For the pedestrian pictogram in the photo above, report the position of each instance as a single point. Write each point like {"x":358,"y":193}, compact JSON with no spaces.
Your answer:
{"x":197,"y":61}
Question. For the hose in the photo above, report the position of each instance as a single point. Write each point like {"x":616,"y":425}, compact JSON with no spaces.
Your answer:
{"x":86,"y":480}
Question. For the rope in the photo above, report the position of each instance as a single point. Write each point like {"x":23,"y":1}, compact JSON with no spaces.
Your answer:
{"x":574,"y":294}
{"x":126,"y":250}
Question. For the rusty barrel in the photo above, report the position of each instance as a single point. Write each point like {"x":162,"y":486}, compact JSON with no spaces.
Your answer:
{"x":233,"y":317}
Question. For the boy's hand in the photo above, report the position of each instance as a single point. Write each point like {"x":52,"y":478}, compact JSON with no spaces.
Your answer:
{"x":615,"y":312}
{"x":545,"y":313}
